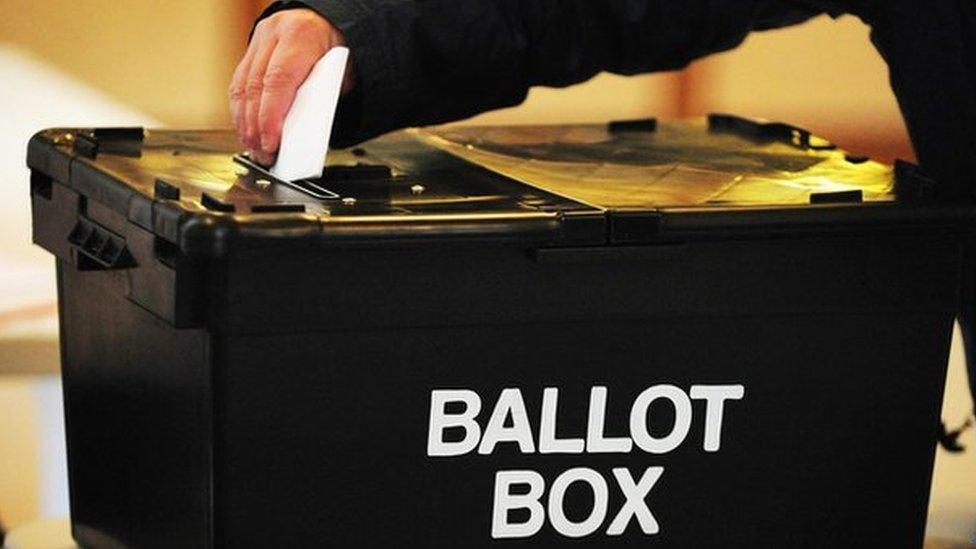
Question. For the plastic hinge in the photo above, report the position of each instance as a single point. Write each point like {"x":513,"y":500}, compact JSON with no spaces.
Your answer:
{"x":911,"y":183}
{"x":647,"y":125}
{"x":584,"y":228}
{"x":634,"y":226}
{"x":97,"y":248}
{"x":772,"y":131}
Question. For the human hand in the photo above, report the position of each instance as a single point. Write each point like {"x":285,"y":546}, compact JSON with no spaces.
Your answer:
{"x":282,"y":52}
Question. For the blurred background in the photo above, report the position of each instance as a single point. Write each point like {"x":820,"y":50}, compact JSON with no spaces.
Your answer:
{"x":168,"y":63}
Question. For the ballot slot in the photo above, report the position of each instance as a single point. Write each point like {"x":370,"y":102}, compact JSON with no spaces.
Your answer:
{"x":337,"y":176}
{"x":313,"y":189}
{"x":310,"y":187}
{"x":378,"y":188}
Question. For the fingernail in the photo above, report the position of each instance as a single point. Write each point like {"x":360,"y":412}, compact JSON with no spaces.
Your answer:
{"x":266,"y":144}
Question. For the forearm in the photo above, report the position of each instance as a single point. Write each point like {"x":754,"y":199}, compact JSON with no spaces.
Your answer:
{"x":420,"y":63}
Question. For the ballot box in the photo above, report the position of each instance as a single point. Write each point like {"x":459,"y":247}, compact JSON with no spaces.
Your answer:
{"x":717,"y":332}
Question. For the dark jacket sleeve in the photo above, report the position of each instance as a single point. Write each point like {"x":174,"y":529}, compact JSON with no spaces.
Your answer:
{"x":930,"y":48}
{"x":421,"y":62}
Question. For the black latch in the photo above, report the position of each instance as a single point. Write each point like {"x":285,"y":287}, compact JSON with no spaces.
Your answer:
{"x":119,"y":141}
{"x":164,"y":190}
{"x":645,"y":125}
{"x":86,"y":145}
{"x":215,"y":204}
{"x":96,"y":248}
{"x":767,"y":131}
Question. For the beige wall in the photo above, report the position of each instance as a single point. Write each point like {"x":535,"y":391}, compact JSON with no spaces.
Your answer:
{"x":823,"y":75}
{"x":606,"y":97}
{"x":171,"y":59}
{"x":19,"y":470}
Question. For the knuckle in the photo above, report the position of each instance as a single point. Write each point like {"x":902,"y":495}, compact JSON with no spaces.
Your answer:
{"x":277,"y":17}
{"x":267,"y":23}
{"x":235,"y":91}
{"x":278,"y":77}
{"x":253,"y":87}
{"x":302,"y":27}
{"x":295,"y":23}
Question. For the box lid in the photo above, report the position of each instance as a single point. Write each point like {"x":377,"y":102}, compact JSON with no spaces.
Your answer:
{"x":571,"y":185}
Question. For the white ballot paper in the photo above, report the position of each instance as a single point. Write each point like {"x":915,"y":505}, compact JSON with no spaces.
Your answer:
{"x":308,"y":124}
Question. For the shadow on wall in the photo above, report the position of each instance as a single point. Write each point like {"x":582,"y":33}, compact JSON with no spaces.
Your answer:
{"x":824,"y":75}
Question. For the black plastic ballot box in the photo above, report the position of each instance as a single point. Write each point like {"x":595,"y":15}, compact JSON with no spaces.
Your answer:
{"x":719,"y":332}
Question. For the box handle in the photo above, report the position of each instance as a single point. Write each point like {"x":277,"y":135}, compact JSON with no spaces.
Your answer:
{"x":95,"y":248}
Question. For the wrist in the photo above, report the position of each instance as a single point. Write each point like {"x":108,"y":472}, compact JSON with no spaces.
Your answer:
{"x":293,"y":5}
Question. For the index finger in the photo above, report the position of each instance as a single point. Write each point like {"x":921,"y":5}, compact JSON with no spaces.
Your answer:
{"x":236,"y":91}
{"x":287,"y":70}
